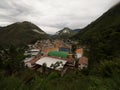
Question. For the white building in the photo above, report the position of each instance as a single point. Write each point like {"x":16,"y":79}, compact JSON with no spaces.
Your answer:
{"x":32,"y":52}
{"x":49,"y":61}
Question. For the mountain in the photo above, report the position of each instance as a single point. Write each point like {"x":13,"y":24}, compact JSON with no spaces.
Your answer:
{"x":77,"y":30}
{"x":0,"y":27}
{"x":21,"y":33}
{"x":102,"y":37}
{"x":65,"y":33}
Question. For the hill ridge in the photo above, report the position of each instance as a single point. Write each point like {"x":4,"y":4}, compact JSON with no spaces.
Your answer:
{"x":21,"y":33}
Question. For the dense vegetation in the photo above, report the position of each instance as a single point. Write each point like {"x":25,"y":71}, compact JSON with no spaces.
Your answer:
{"x":102,"y":37}
{"x":101,"y":41}
{"x":14,"y":76}
{"x":20,"y":33}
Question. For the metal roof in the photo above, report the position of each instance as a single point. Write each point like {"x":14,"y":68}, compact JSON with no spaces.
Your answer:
{"x":64,"y":49}
{"x":28,"y":59}
{"x":34,"y":50}
{"x":49,"y":61}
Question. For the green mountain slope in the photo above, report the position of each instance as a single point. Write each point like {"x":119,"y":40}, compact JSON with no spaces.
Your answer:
{"x":21,"y":33}
{"x":102,"y":37}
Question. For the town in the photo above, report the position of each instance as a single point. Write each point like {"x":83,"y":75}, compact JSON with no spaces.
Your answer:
{"x":55,"y":55}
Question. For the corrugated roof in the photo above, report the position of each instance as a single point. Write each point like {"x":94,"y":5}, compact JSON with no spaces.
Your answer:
{"x":34,"y":50}
{"x":28,"y":59}
{"x":49,"y":61}
{"x":32,"y":60}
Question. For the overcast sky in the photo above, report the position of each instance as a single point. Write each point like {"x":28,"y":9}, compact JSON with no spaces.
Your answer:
{"x":53,"y":15}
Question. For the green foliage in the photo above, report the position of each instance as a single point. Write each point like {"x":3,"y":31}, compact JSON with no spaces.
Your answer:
{"x":20,"y":34}
{"x":44,"y":67}
{"x":108,"y":68}
{"x":102,"y":37}
{"x":11,"y":59}
{"x":74,"y":47}
{"x":72,"y":80}
{"x":57,"y":64}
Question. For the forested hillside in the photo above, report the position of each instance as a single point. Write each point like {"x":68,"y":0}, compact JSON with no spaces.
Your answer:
{"x":102,"y":37}
{"x":101,"y":42}
{"x":21,"y":33}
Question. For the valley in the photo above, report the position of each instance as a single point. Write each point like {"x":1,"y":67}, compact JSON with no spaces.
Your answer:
{"x":57,"y":51}
{"x":70,"y":59}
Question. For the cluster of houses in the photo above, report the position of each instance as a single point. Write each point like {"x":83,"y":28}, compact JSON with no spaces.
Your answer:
{"x":55,"y":55}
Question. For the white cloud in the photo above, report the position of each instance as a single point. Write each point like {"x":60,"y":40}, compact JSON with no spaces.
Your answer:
{"x":53,"y":15}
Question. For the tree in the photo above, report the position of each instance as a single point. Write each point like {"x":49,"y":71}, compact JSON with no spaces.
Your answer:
{"x":44,"y":67}
{"x":74,"y":47}
{"x":57,"y":64}
{"x":11,"y":59}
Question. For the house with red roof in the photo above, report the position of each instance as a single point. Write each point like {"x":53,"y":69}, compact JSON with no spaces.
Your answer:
{"x":83,"y":62}
{"x":79,"y":53}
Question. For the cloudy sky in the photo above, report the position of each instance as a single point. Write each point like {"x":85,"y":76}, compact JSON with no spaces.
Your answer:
{"x":53,"y":15}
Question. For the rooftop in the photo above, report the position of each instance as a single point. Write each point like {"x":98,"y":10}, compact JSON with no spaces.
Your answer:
{"x":34,"y":50}
{"x":49,"y":61}
{"x":83,"y":60}
{"x":80,"y":50}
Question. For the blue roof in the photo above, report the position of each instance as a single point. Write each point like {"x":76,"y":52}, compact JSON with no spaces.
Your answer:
{"x":64,"y":49}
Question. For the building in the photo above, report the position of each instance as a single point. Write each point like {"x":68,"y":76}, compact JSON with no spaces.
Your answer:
{"x":64,"y":49}
{"x":79,"y":53}
{"x":83,"y":62}
{"x":32,"y":52}
{"x":52,"y":63}
{"x":30,"y":62}
{"x":47,"y":50}
{"x":58,"y":43}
